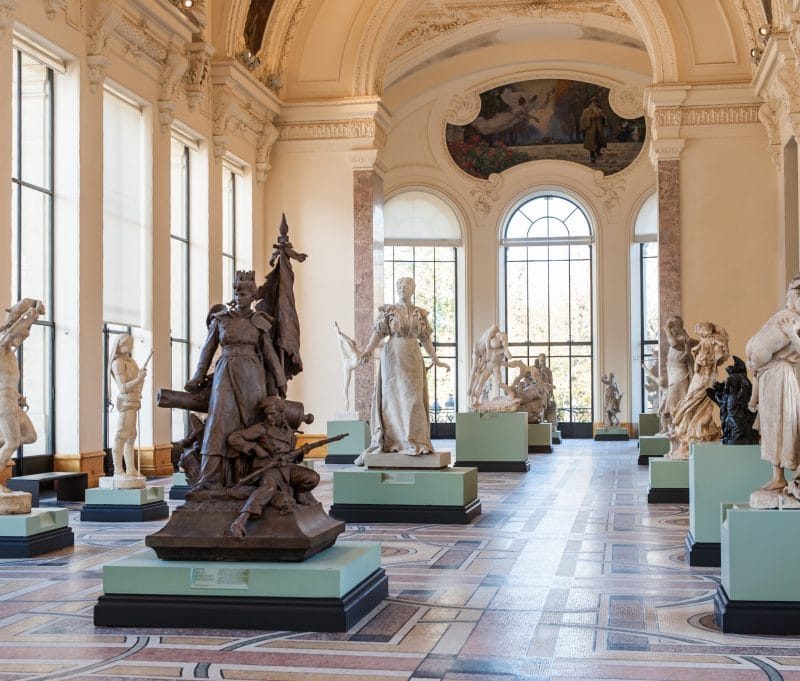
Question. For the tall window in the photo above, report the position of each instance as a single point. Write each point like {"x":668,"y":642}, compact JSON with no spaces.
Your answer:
{"x":645,"y":298}
{"x":180,"y":231}
{"x":422,"y":237}
{"x":547,"y":252}
{"x":231,"y":183}
{"x":32,"y":219}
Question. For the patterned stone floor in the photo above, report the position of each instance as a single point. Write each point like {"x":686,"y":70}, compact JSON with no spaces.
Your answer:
{"x":568,"y":574}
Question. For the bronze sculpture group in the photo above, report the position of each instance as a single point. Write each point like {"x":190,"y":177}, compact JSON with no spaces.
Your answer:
{"x":250,"y":497}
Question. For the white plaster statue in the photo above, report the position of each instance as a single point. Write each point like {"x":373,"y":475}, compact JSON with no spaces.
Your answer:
{"x":680,"y":363}
{"x":693,"y":419}
{"x":773,"y":355}
{"x":351,"y":357}
{"x":125,"y":373}
{"x":654,"y":386}
{"x":489,"y":354}
{"x":529,"y":388}
{"x":399,"y":419}
{"x":611,"y":400}
{"x":16,"y":428}
{"x":546,"y":376}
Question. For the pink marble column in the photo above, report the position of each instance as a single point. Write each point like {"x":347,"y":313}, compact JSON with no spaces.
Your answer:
{"x":669,"y":248}
{"x":367,"y":214}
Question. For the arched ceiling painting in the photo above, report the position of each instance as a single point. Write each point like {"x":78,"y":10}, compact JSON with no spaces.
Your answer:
{"x":256,"y":23}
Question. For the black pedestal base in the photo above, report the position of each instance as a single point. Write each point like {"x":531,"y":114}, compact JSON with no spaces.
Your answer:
{"x":702,"y":554}
{"x":178,"y":492}
{"x":124,"y":513}
{"x":668,"y":495}
{"x":496,"y":466}
{"x":616,"y":437}
{"x":36,"y":544}
{"x":380,"y":513}
{"x":644,"y":459}
{"x":341,"y":458}
{"x":772,"y":618}
{"x":540,"y":449}
{"x":231,"y":612}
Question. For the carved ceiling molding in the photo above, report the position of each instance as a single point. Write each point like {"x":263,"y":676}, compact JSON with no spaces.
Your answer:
{"x":743,"y":114}
{"x":195,"y":79}
{"x":485,"y":193}
{"x":627,"y":101}
{"x":437,"y":19}
{"x":654,"y":28}
{"x":8,"y":9}
{"x":172,"y":71}
{"x":52,"y":7}
{"x":279,"y":37}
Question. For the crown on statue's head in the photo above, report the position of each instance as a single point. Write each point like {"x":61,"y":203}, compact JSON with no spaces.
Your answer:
{"x":244,"y":279}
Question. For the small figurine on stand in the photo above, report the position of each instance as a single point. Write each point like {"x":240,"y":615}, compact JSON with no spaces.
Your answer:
{"x":733,"y":396}
{"x":611,"y":399}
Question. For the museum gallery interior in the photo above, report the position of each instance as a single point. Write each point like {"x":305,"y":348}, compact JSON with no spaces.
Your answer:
{"x":454,"y":340}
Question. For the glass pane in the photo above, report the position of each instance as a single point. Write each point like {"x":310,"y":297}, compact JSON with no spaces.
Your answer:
{"x":650,"y":298}
{"x":14,"y":242}
{"x":445,"y":307}
{"x":442,"y":388}
{"x":228,"y":215}
{"x":178,"y":417}
{"x":582,"y":389}
{"x":14,"y":118}
{"x":179,"y":176}
{"x":560,"y":208}
{"x":179,"y":324}
{"x":539,"y":321}
{"x":518,"y":226}
{"x":556,"y":229}
{"x":36,"y":258}
{"x":578,"y":225}
{"x":425,"y":291}
{"x":535,"y":208}
{"x":538,"y":229}
{"x":35,"y":125}
{"x":516,"y":301}
{"x":559,"y":302}
{"x":559,"y":365}
{"x":228,"y":274}
{"x":37,"y":387}
{"x":581,"y":301}
{"x":420,"y":215}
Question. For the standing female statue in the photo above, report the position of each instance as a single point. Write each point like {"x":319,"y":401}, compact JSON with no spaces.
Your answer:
{"x":245,"y":373}
{"x":125,"y":373}
{"x":400,"y":402}
{"x":679,"y":370}
{"x":693,"y":419}
{"x":772,"y":355}
{"x":611,"y":400}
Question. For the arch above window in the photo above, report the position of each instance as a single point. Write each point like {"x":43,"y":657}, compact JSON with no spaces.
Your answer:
{"x":417,"y":216}
{"x":548,"y":218}
{"x":646,"y":227}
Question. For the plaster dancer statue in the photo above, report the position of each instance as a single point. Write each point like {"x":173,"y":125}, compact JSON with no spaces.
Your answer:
{"x":611,"y":400}
{"x":351,"y":356}
{"x":16,"y":428}
{"x":489,"y":353}
{"x":680,"y":365}
{"x":399,"y":418}
{"x":693,"y":419}
{"x":125,"y":373}
{"x":546,"y":375}
{"x":773,"y":355}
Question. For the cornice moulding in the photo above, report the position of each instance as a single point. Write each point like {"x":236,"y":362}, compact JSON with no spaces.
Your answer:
{"x":233,"y":75}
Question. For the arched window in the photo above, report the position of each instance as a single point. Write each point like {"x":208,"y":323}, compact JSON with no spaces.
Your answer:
{"x":547,"y":254}
{"x":644,"y":288}
{"x":422,"y":235}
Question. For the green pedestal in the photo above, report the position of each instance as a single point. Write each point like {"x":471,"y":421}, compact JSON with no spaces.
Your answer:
{"x":611,"y":433}
{"x":760,"y":592}
{"x":649,"y":424}
{"x":650,"y":446}
{"x":346,"y":450}
{"x":669,"y":482}
{"x":493,"y":441}
{"x":330,"y":591}
{"x":718,"y":474}
{"x":540,"y":438}
{"x":32,"y":534}
{"x":124,"y":505}
{"x":179,"y":487}
{"x":446,"y":496}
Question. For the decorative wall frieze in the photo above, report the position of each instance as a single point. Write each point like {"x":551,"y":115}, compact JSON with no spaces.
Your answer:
{"x":485,"y":193}
{"x":8,"y":9}
{"x":52,"y":7}
{"x":139,"y":41}
{"x":333,"y":130}
{"x":611,"y":190}
{"x":195,"y":80}
{"x":745,"y":114}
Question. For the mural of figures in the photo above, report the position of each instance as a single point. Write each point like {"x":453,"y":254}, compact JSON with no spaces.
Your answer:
{"x":533,"y":120}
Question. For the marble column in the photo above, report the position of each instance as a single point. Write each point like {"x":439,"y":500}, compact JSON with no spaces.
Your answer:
{"x":367,"y":241}
{"x":669,"y":248}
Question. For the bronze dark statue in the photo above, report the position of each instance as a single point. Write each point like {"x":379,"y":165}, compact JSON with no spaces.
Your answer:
{"x":250,"y":498}
{"x":732,"y":396}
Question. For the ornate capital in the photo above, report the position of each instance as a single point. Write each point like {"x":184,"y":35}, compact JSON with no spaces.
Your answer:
{"x":51,"y":7}
{"x":172,"y":71}
{"x":195,"y":79}
{"x":96,"y":65}
{"x":220,"y":143}
{"x":666,"y":150}
{"x":102,"y":25}
{"x":265,"y":143}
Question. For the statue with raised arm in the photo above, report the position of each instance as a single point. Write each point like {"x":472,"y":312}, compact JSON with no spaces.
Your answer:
{"x":680,"y":365}
{"x":399,"y":421}
{"x":351,"y":356}
{"x":611,"y":400}
{"x":125,"y":374}
{"x":490,"y":354}
{"x":16,"y":428}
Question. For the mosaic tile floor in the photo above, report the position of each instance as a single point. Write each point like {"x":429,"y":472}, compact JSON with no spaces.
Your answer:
{"x":568,"y":574}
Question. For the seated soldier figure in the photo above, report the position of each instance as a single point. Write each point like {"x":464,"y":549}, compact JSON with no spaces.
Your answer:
{"x":275,"y":478}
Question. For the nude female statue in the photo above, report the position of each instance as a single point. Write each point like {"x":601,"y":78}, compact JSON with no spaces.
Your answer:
{"x":772,"y":355}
